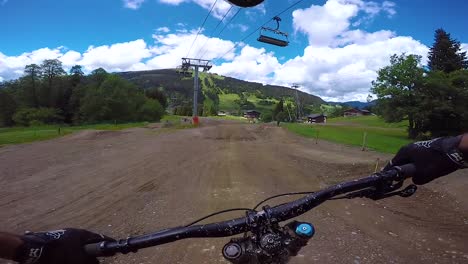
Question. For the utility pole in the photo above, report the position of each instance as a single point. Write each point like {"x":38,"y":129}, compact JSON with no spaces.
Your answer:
{"x":206,"y":65}
{"x":298,"y":102}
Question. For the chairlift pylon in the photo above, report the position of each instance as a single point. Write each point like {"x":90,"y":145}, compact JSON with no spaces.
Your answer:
{"x":284,"y":42}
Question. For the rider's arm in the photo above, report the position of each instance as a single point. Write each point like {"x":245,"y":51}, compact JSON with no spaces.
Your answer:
{"x":9,"y":245}
{"x":464,"y":145}
{"x":433,"y":158}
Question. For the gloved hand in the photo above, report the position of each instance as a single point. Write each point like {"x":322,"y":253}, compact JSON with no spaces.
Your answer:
{"x":58,"y":247}
{"x":433,"y":158}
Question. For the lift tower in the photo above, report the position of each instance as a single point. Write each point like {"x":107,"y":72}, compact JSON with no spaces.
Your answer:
{"x":296,"y":86}
{"x":196,"y":64}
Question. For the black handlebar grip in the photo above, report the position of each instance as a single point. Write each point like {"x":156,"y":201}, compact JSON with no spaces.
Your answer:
{"x":95,"y":250}
{"x":407,"y":170}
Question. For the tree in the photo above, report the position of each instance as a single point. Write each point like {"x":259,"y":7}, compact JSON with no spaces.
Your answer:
{"x":281,"y":117}
{"x":278,"y":108}
{"x":77,"y":74}
{"x":445,"y":55}
{"x":115,"y":99}
{"x":157,"y":94}
{"x":32,"y":74}
{"x":151,"y":111}
{"x":51,"y":70}
{"x":443,"y":107}
{"x":266,"y":117}
{"x":396,"y":87}
{"x":7,"y":108}
{"x":42,"y":115}
{"x":99,"y":75}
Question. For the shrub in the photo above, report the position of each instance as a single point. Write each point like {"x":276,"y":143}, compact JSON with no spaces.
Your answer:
{"x":31,"y":116}
{"x":151,"y":110}
{"x":267,"y":117}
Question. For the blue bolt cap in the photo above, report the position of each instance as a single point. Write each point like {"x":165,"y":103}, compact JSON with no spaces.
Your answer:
{"x":305,"y":230}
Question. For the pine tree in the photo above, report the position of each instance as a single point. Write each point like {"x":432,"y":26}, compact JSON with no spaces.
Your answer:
{"x":446,"y":55}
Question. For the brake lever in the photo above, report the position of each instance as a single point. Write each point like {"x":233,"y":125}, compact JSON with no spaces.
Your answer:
{"x":407,"y":192}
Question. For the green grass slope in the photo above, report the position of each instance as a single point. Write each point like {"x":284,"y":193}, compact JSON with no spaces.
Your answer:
{"x":381,"y":136}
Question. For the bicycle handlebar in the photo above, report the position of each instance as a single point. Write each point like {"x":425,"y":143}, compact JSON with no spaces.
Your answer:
{"x":236,"y":226}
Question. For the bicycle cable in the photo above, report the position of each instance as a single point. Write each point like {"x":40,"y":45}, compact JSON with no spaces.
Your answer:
{"x":218,"y":213}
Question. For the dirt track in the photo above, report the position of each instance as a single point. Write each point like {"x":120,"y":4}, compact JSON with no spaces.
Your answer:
{"x":141,"y":180}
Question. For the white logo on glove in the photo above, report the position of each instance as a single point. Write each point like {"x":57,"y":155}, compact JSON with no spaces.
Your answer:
{"x":57,"y":234}
{"x":35,"y":252}
{"x":426,"y":144}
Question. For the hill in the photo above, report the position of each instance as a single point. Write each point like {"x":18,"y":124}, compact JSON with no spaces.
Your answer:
{"x":357,"y":104}
{"x":217,"y":92}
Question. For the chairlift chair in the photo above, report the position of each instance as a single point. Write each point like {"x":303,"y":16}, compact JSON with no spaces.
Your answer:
{"x":284,"y":42}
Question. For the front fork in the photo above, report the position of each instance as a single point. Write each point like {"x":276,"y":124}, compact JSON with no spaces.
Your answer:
{"x":269,"y":245}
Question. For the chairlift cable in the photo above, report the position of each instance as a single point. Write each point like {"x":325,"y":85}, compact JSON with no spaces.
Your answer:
{"x":201,"y":27}
{"x":259,"y":28}
{"x":225,"y":26}
{"x":232,"y":19}
{"x":214,"y":31}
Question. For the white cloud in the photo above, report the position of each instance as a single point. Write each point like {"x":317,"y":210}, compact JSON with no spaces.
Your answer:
{"x":339,"y":62}
{"x":163,"y":29}
{"x":464,"y":47}
{"x":344,"y":73}
{"x":362,"y":37}
{"x":12,"y":66}
{"x":251,"y":64}
{"x":116,"y":57}
{"x":133,"y":4}
{"x":241,"y":27}
{"x":389,"y":7}
{"x":170,"y":48}
{"x":166,"y":52}
{"x":324,"y":24}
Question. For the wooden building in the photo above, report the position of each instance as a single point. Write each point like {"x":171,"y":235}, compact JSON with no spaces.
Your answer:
{"x":251,"y":114}
{"x":356,"y":112}
{"x":316,"y":118}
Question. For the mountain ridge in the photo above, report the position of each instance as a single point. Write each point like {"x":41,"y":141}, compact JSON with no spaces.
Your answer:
{"x":179,"y":88}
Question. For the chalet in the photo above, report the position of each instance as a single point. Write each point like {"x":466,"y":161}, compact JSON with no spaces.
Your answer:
{"x":316,"y":118}
{"x":252,"y":114}
{"x":356,"y":112}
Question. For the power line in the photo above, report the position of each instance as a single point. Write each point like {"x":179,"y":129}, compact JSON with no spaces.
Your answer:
{"x":225,"y":26}
{"x":201,"y":27}
{"x":259,"y":28}
{"x":214,"y":30}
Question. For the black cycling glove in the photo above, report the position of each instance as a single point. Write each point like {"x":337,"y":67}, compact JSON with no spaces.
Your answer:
{"x":58,"y":247}
{"x":433,"y":158}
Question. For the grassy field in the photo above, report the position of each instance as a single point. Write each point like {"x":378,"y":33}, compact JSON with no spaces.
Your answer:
{"x":172,"y":118}
{"x":19,"y":135}
{"x":371,"y":121}
{"x":229,"y":117}
{"x":226,"y":102}
{"x":387,"y":140}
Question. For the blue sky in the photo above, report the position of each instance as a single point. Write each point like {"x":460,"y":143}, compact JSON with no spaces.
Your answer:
{"x":327,"y":51}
